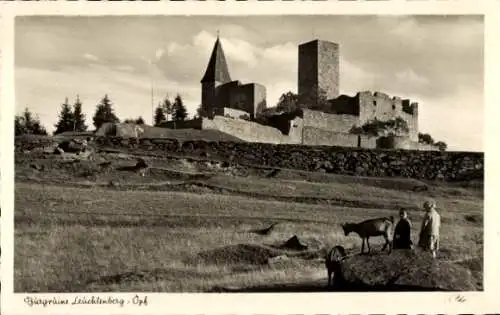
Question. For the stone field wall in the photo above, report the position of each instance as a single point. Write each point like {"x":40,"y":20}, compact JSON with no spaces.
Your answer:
{"x":427,"y":165}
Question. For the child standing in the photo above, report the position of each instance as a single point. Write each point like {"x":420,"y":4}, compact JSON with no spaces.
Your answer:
{"x":402,"y":233}
{"x":429,"y":233}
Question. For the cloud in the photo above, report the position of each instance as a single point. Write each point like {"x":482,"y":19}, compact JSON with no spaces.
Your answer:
{"x":159,"y":53}
{"x":435,"y":60}
{"x":130,"y":94}
{"x":90,"y":57}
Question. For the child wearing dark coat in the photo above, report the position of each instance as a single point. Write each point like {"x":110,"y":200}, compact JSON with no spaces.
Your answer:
{"x":402,"y":232}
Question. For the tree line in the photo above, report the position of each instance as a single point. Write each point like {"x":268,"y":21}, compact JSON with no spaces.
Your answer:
{"x":72,"y":118}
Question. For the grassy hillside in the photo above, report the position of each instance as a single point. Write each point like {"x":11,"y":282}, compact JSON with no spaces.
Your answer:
{"x":117,"y":231}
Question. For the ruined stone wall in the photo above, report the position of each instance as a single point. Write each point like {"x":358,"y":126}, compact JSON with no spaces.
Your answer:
{"x":394,"y":142}
{"x":345,"y":105}
{"x":259,"y":98}
{"x":183,"y":124}
{"x":367,"y":142}
{"x":245,"y":130}
{"x":295,"y":133}
{"x":322,"y":137}
{"x":412,"y":121}
{"x":250,"y":97}
{"x":425,"y":147}
{"x":231,"y":112}
{"x":329,"y":122}
{"x":383,"y":107}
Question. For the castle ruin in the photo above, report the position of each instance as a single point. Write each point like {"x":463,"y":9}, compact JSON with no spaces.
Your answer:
{"x":232,"y":107}
{"x":218,"y":91}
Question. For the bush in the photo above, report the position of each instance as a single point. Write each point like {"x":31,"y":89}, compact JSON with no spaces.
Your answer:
{"x":377,"y":127}
{"x":245,"y":117}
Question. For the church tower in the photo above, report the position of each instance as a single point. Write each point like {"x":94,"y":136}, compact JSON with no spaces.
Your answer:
{"x":216,"y":74}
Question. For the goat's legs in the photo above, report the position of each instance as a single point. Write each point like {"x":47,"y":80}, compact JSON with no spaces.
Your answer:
{"x":387,"y":243}
{"x":362,"y":245}
{"x":368,"y":244}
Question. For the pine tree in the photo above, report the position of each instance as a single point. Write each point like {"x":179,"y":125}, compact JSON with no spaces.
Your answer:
{"x":19,"y":127}
{"x":200,"y":112}
{"x":159,"y":115}
{"x":37,"y":128}
{"x":167,"y":107}
{"x":104,"y":113}
{"x":179,"y":110}
{"x":28,"y":121}
{"x":66,"y":118}
{"x":140,"y":121}
{"x":27,"y":124}
{"x":78,"y":116}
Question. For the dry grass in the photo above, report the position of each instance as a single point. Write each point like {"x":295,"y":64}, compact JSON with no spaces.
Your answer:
{"x":97,"y":239}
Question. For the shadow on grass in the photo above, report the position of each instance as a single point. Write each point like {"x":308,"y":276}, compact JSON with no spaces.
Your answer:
{"x":319,"y":286}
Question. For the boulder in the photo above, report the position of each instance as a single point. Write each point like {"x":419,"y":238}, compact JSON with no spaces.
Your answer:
{"x":403,"y":270}
{"x":71,"y":146}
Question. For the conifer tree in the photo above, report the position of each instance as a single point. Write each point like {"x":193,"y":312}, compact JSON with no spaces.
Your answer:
{"x":167,"y":107}
{"x":179,"y":110}
{"x":27,"y":124}
{"x":137,"y":121}
{"x":66,"y":118}
{"x":159,"y":115}
{"x":104,"y":113}
{"x":78,"y":116}
{"x":200,"y":112}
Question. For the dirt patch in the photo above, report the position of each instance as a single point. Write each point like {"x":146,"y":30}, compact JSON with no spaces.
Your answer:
{"x":474,"y":218}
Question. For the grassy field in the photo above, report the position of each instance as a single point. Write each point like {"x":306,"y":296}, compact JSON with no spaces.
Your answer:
{"x":84,"y":236}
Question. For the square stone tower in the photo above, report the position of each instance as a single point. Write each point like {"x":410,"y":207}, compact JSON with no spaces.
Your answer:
{"x":319,"y":69}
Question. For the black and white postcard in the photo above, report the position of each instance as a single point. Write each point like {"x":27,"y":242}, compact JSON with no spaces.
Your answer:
{"x":328,"y":161}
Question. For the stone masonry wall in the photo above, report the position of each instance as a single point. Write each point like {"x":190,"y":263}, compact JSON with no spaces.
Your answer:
{"x":329,"y":122}
{"x":328,"y":68}
{"x":245,"y":130}
{"x":230,"y":112}
{"x":368,"y":142}
{"x":321,"y":137}
{"x":307,"y":67}
{"x":383,"y":107}
{"x":426,"y":165}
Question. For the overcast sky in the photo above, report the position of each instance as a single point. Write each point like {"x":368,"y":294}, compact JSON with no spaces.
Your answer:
{"x":436,"y":61}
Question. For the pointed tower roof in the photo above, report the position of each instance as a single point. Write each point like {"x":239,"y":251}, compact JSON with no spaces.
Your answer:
{"x":217,"y":66}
